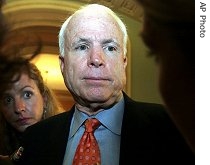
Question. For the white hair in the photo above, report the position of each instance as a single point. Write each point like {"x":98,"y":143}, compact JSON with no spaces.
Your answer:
{"x":92,"y":7}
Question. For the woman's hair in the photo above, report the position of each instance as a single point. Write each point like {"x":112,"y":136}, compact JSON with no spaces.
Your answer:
{"x":11,"y":71}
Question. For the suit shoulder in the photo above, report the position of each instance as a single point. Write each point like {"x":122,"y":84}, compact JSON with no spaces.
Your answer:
{"x":50,"y":123}
{"x":144,"y":105}
{"x":129,"y":102}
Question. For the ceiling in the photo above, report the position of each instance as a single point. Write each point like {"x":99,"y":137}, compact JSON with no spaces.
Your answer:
{"x":44,"y":17}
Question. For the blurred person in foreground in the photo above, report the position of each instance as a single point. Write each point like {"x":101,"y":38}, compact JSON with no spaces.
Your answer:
{"x":93,"y":62}
{"x":169,"y":33}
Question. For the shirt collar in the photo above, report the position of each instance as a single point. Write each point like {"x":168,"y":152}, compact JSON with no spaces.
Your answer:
{"x":110,"y":118}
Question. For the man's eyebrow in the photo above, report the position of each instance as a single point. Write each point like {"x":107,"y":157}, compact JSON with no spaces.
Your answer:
{"x":83,"y":40}
{"x":104,"y":42}
{"x":107,"y":41}
{"x":80,"y":40}
{"x":86,"y":40}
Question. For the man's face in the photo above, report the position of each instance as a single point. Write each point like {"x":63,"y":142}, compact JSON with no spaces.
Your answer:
{"x":94,"y":63}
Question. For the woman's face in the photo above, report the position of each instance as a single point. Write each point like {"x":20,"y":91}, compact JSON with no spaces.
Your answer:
{"x":22,"y":105}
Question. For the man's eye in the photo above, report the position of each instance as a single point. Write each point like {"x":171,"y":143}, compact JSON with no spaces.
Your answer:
{"x":111,"y":48}
{"x":81,"y":47}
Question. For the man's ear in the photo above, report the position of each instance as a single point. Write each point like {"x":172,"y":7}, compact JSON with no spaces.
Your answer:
{"x":61,"y":62}
{"x":125,"y":61}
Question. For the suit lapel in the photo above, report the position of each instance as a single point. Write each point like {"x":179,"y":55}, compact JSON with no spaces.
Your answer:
{"x":59,"y":138}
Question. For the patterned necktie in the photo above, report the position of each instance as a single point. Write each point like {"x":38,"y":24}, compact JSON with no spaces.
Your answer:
{"x":88,"y":152}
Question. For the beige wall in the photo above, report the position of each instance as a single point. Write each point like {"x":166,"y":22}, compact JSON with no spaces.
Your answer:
{"x":144,"y":83}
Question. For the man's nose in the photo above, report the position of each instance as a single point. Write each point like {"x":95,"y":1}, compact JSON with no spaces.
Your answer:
{"x":97,"y":58}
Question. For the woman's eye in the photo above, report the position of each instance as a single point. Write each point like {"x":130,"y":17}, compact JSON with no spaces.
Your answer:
{"x":27,"y":95}
{"x":8,"y":100}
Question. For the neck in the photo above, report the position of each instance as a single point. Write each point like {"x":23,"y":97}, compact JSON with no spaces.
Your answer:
{"x":95,"y":107}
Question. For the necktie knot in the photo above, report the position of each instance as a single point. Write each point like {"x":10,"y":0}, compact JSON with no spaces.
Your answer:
{"x":88,"y":151}
{"x":91,"y":124}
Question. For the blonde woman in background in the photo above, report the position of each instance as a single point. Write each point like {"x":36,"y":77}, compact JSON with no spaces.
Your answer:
{"x":24,"y":97}
{"x":24,"y":100}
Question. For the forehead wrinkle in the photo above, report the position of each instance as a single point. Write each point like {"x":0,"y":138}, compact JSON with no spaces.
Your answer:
{"x":98,"y":20}
{"x":98,"y":26}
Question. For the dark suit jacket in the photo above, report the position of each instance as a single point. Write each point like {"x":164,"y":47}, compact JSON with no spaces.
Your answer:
{"x":148,"y":138}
